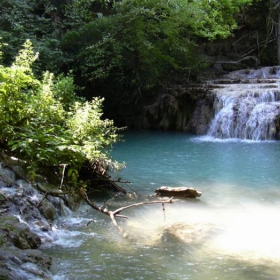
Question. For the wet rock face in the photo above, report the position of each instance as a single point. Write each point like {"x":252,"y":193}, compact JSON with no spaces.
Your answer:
{"x":19,"y":257}
{"x":25,"y":216}
{"x":163,"y":112}
{"x":277,"y":128}
{"x":24,"y":264}
{"x":47,"y":210}
{"x":171,"y":110}
{"x":17,"y":234}
{"x":202,"y":116}
{"x":23,"y":238}
{"x":7,"y":176}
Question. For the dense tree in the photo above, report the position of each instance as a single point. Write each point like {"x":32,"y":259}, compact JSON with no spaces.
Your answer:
{"x":33,"y":20}
{"x":122,"y":47}
{"x":134,"y":45}
{"x":274,"y":18}
{"x":266,"y":13}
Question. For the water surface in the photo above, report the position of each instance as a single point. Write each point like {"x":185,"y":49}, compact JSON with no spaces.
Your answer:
{"x":230,"y":232}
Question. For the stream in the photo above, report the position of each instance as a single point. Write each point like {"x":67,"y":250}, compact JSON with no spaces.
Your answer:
{"x":230,"y":232}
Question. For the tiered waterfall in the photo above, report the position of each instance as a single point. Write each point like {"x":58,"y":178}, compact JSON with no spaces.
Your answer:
{"x":247,"y":105}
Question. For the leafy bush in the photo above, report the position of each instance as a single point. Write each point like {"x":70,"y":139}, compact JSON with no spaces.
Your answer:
{"x":44,"y":123}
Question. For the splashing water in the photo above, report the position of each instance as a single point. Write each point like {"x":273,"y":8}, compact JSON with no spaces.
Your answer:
{"x":247,"y":105}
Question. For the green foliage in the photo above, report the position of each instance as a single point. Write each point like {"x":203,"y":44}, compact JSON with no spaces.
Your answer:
{"x":140,"y":42}
{"x":122,"y":47}
{"x":212,"y":19}
{"x":64,"y":90}
{"x":34,"y":20}
{"x":44,"y":123}
{"x":79,"y":12}
{"x":15,"y":81}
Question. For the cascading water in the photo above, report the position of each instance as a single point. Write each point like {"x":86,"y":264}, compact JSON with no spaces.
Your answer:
{"x":247,"y":105}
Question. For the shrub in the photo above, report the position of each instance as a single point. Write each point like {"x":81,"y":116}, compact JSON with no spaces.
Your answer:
{"x":46,"y":124}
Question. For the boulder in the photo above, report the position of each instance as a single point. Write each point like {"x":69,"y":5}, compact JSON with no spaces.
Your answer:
{"x":24,"y":238}
{"x":177,"y":192}
{"x":7,"y":175}
{"x":47,"y":210}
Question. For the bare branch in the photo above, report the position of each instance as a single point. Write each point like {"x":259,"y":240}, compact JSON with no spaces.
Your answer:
{"x":142,"y":203}
{"x":84,"y":196}
{"x":39,"y":204}
{"x":114,"y":214}
{"x":62,"y":176}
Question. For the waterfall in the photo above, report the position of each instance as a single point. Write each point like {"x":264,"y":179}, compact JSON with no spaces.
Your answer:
{"x":247,"y":105}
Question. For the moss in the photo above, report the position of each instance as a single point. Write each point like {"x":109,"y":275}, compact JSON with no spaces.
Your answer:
{"x":7,"y":223}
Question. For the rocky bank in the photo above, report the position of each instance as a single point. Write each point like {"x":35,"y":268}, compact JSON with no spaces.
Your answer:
{"x":26,"y":218}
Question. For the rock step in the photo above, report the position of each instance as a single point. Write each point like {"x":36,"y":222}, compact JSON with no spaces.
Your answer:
{"x":245,"y":86}
{"x":244,"y":81}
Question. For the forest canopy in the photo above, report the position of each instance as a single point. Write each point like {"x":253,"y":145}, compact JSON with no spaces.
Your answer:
{"x":119,"y":47}
{"x":135,"y":44}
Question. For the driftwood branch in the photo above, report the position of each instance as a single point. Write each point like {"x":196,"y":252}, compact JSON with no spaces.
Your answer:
{"x":62,"y":175}
{"x":116,"y":213}
{"x":182,"y":192}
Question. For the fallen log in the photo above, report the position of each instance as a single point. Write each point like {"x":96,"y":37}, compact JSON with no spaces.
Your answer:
{"x":177,"y":192}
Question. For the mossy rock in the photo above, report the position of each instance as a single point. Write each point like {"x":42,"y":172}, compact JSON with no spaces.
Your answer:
{"x":47,"y":210}
{"x":7,"y":224}
{"x":23,"y":238}
{"x":18,"y":234}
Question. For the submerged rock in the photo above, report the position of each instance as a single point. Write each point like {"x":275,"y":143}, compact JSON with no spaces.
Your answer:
{"x":194,"y":234}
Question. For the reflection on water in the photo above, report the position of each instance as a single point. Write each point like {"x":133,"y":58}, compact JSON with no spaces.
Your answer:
{"x":230,"y":232}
